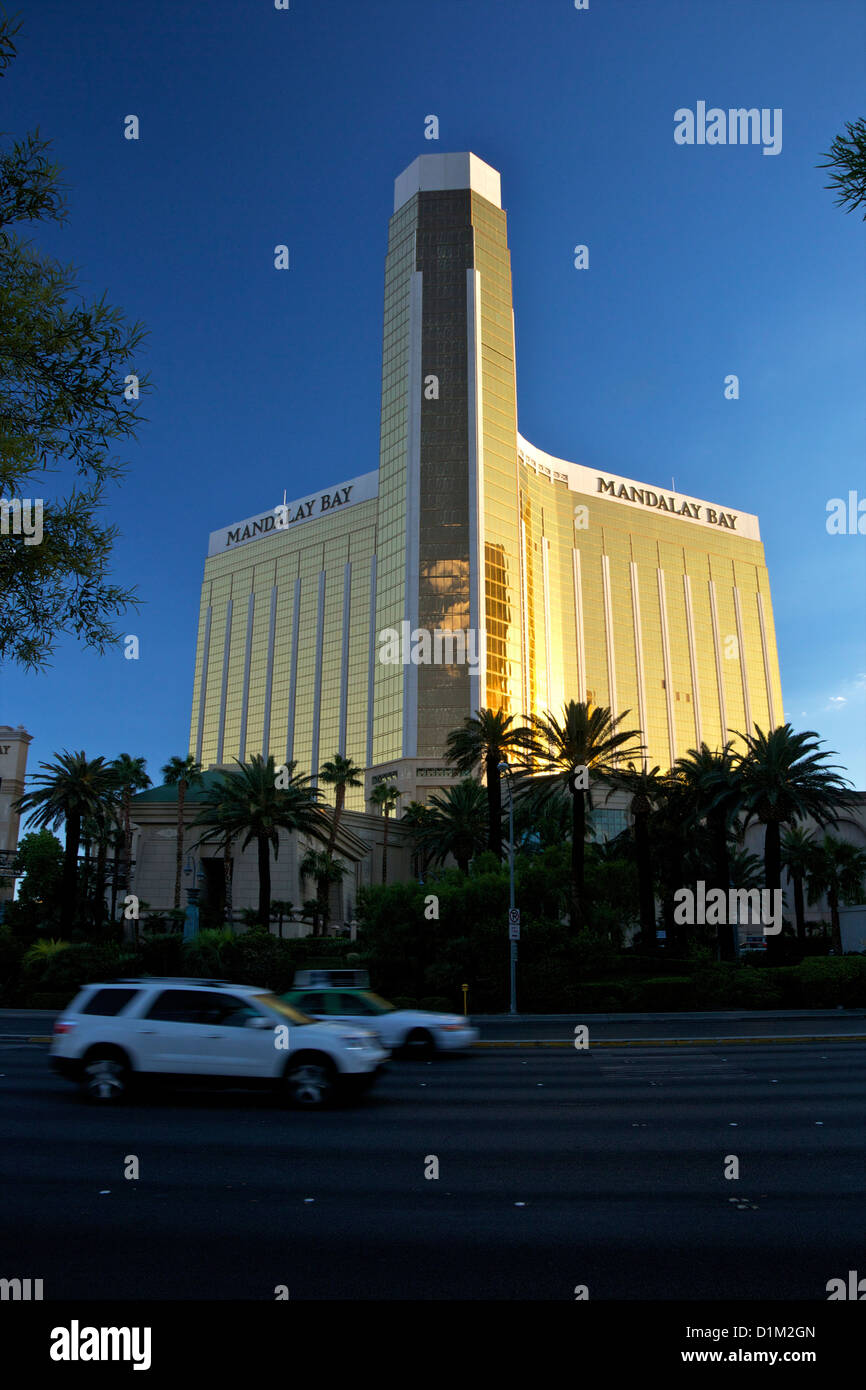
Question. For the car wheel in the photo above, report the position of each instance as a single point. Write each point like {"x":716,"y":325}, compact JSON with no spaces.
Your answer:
{"x":310,"y":1082}
{"x":106,"y":1079}
{"x":420,"y":1043}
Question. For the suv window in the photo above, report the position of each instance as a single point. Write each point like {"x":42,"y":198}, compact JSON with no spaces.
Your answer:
{"x":108,"y":1002}
{"x":200,"y":1006}
{"x":312,"y":1003}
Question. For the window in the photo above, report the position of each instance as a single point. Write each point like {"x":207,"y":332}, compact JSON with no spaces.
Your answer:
{"x":200,"y":1006}
{"x":108,"y":1002}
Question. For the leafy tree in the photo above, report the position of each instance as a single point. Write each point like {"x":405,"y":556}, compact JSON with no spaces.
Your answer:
{"x":836,"y":871}
{"x":38,"y":866}
{"x":456,"y":824}
{"x":385,"y":796}
{"x":415,"y":818}
{"x":246,"y":804}
{"x":847,"y":156}
{"x":485,"y":740}
{"x":589,"y":738}
{"x":68,"y":791}
{"x":63,"y":369}
{"x":183,"y":773}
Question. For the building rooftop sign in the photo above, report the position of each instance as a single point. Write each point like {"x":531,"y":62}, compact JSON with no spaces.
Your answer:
{"x":285,"y":516}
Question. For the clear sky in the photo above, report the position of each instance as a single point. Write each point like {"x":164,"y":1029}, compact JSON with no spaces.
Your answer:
{"x":261,"y":126}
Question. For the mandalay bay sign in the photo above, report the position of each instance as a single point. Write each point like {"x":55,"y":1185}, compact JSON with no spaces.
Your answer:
{"x":288,"y":515}
{"x":665,"y":502}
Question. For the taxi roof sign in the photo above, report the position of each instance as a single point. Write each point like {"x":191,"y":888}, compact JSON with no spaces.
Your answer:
{"x":332,"y":979}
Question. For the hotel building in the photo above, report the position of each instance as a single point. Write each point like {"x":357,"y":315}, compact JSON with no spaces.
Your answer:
{"x":567,"y":583}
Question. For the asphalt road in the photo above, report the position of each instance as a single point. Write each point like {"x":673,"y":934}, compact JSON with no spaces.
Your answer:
{"x":556,"y":1168}
{"x":602,"y":1027}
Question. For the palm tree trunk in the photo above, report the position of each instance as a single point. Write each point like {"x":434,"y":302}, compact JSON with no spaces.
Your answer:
{"x":836,"y":925}
{"x":227,"y":880}
{"x":70,"y":872}
{"x":727,"y":932}
{"x":799,"y":906}
{"x":494,"y":807}
{"x":385,"y":850}
{"x":578,"y":833}
{"x":773,"y":878}
{"x":264,"y":855}
{"x":99,"y":899}
{"x":181,"y":794}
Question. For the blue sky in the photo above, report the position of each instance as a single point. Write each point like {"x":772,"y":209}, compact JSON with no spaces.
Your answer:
{"x":261,"y":127}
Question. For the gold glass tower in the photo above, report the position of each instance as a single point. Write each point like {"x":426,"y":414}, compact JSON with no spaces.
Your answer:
{"x":537,"y":580}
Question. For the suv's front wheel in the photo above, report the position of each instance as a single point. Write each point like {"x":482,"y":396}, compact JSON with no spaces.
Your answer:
{"x":105,"y":1078}
{"x":310,"y":1081}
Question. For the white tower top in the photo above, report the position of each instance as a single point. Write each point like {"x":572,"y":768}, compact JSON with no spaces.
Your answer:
{"x":434,"y":173}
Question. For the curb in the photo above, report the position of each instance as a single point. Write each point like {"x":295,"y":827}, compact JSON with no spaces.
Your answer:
{"x":22,"y":1037}
{"x":678,"y":1042}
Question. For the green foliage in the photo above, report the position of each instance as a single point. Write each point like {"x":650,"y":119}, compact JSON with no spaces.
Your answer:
{"x":45,"y":950}
{"x":847,"y":157}
{"x":63,"y":364}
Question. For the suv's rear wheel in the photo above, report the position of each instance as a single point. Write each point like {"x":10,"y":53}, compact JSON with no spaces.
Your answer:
{"x":105,"y":1078}
{"x":310,"y":1081}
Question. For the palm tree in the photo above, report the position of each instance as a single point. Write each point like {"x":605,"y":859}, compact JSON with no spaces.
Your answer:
{"x":836,"y":870}
{"x":72,"y":788}
{"x":784,"y":778}
{"x":796,"y":850}
{"x":182,"y":773}
{"x":456,"y":823}
{"x":712,"y":783}
{"x":129,"y":776}
{"x":645,"y":786}
{"x":488,"y":738}
{"x":320,"y":865}
{"x":415,"y":818}
{"x":586,"y":738}
{"x":384,"y":795}
{"x":245,"y":803}
{"x":339,"y":773}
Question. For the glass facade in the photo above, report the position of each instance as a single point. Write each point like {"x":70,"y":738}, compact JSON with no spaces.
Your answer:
{"x":583,"y":586}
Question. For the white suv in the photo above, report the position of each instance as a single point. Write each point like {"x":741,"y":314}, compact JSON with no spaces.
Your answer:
{"x":207,"y":1030}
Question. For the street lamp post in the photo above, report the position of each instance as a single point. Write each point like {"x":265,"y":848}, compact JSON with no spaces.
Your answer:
{"x":512,"y":941}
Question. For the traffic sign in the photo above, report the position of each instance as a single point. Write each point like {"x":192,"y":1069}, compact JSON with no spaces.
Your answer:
{"x":514,"y":924}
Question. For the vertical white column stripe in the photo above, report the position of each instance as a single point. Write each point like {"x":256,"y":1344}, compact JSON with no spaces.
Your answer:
{"x":771,"y":704}
{"x":293,"y":678}
{"x":248,"y":654}
{"x":723,"y":711}
{"x":524,"y":619}
{"x":747,"y":705}
{"x":475,"y":429}
{"x":409,"y":740}
{"x":638,"y":656}
{"x":317,"y":684}
{"x":371,"y":662}
{"x":578,"y":622}
{"x":266,"y":726}
{"x":344,"y":658}
{"x":224,"y":683}
{"x":202,"y":687}
{"x":545,"y":583}
{"x":608,"y":633}
{"x":693,"y":659}
{"x":666,"y":658}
